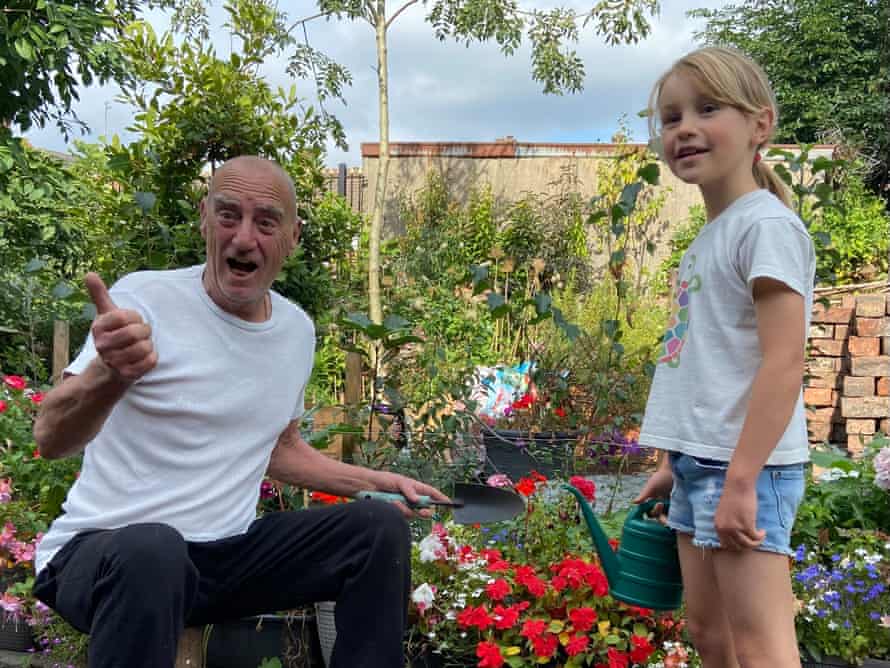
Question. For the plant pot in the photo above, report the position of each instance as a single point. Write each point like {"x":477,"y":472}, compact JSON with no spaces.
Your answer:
{"x":15,"y":635}
{"x":518,"y":453}
{"x":293,"y":639}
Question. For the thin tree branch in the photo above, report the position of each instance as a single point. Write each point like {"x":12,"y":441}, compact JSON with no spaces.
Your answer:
{"x":399,"y":11}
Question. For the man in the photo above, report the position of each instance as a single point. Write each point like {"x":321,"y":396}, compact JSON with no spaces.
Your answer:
{"x":188,"y":390}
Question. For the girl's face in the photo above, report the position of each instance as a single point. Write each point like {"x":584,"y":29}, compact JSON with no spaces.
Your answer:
{"x":708,"y":143}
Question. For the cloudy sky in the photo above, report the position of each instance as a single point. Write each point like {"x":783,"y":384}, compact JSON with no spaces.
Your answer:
{"x":448,"y":92}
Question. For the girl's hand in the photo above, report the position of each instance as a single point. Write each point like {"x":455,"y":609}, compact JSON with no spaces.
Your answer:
{"x":736,"y":518}
{"x":658,"y":486}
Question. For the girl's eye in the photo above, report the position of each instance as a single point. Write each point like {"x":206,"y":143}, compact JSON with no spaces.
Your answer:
{"x":710,"y":107}
{"x":670,"y":119}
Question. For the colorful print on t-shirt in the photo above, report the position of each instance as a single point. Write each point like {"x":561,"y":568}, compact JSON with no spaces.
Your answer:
{"x":678,"y":324}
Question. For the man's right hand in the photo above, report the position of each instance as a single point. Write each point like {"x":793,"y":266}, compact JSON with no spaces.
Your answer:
{"x":122,"y":338}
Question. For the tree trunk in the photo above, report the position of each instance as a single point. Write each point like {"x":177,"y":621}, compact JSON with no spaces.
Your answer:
{"x":374,"y":301}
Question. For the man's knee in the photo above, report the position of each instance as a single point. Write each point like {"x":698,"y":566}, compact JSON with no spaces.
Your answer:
{"x":382,"y":520}
{"x":149,"y":549}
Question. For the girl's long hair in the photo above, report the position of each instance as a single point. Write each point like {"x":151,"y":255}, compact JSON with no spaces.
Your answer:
{"x":731,"y":78}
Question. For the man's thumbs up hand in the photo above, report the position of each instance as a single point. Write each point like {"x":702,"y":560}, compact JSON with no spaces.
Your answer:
{"x":122,"y":338}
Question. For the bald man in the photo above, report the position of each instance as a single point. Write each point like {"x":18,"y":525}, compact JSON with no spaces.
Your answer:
{"x":188,"y":391}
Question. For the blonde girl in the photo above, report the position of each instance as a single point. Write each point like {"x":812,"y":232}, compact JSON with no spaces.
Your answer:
{"x":725,"y":403}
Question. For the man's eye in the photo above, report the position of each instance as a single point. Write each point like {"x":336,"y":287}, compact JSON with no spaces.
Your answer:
{"x":226,"y":215}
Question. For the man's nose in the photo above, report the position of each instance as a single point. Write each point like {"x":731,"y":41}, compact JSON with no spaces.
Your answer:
{"x":245,"y":235}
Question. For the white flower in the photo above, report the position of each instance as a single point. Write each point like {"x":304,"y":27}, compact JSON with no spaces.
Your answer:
{"x":431,"y":548}
{"x":853,"y":474}
{"x":423,"y":597}
{"x":832,"y":626}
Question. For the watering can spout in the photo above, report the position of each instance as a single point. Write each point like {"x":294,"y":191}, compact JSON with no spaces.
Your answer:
{"x":608,"y":558}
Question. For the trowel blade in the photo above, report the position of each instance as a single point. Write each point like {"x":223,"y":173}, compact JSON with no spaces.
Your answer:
{"x":481,"y":504}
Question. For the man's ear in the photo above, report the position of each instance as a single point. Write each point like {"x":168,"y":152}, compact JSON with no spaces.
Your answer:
{"x":295,"y":238}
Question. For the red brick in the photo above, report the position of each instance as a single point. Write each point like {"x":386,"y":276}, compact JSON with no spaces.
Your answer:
{"x":884,"y":426}
{"x":885,"y":345}
{"x":856,"y":444}
{"x":859,"y":386}
{"x":872,"y":327}
{"x":822,"y":414}
{"x":841,"y":332}
{"x":817,"y":396}
{"x":828,"y":347}
{"x":864,"y":346}
{"x":867,"y":426}
{"x":882,"y":388}
{"x":871,"y":306}
{"x":865,"y":407}
{"x":834,"y":314}
{"x":821,"y":331}
{"x":819,"y":431}
{"x":870,"y":366}
{"x":820,"y":366}
{"x":831,"y":380}
{"x":848,"y":301}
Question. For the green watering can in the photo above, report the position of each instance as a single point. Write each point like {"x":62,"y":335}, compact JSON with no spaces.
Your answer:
{"x":646,"y":570}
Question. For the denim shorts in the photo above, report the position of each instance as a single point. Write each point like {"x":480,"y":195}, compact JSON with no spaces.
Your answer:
{"x":698,"y":485}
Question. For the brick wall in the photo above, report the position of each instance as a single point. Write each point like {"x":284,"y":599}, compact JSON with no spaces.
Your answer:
{"x":847,"y":389}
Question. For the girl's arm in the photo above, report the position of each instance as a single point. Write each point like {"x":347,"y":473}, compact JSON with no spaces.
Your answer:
{"x":781,"y":319}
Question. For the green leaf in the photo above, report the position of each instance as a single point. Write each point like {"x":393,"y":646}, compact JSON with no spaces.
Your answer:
{"x":24,"y":49}
{"x":543,"y":302}
{"x":649,"y":173}
{"x":34,"y":265}
{"x":395,"y":323}
{"x":356,"y":321}
{"x":62,"y":290}
{"x":145,"y":201}
{"x":495,"y":301}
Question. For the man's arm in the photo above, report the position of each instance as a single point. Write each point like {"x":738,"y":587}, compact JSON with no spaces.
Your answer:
{"x":296,"y":462}
{"x":73,"y":413}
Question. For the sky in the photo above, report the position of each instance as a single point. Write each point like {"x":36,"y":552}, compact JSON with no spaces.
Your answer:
{"x":443,"y":91}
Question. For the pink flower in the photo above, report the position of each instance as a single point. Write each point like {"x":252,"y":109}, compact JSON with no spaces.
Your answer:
{"x":7,"y":536}
{"x":499,"y":480}
{"x":267,"y":490}
{"x":2,"y":406}
{"x":22,"y":552}
{"x":5,"y":490}
{"x":15,"y":382}
{"x":37,"y":397}
{"x":11,"y":605}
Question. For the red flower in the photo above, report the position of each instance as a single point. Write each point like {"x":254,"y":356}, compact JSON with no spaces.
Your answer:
{"x":36,"y":454}
{"x":498,"y":590}
{"x":15,"y":382}
{"x":505,"y":618}
{"x":525,"y":575}
{"x":2,"y":406}
{"x":37,"y":397}
{"x":489,"y":655}
{"x":577,"y":645}
{"x":526,"y":486}
{"x":582,"y":618}
{"x":613,"y":543}
{"x":498,"y":566}
{"x":560,"y":411}
{"x":523,"y":402}
{"x":642,"y":649}
{"x":537,"y":477}
{"x":617,"y":659}
{"x":533,"y":628}
{"x":477,"y":617}
{"x":642,"y":612}
{"x":585,"y":486}
{"x":491,"y":556}
{"x":545,"y":644}
{"x":558,"y":583}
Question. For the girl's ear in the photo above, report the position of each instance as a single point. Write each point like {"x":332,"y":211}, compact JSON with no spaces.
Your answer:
{"x":764,"y":121}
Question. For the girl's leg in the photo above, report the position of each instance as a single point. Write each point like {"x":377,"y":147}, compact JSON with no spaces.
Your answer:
{"x":706,"y":615}
{"x":755,"y":588}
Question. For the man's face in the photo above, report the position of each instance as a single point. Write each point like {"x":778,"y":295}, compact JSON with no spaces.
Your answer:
{"x":249,"y":222}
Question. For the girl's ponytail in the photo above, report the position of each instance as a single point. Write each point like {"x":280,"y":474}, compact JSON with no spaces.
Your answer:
{"x":766,"y":178}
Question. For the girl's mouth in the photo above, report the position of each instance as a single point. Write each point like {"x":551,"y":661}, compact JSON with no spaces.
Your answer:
{"x":689,"y":151}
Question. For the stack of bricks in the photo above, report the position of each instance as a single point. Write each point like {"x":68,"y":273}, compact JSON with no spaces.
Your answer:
{"x":847,"y":391}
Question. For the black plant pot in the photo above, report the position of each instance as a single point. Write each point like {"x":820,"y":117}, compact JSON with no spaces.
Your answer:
{"x":15,"y":635}
{"x":518,"y":453}
{"x":244,"y":643}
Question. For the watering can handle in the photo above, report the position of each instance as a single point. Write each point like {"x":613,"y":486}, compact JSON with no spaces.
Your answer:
{"x":648,"y":505}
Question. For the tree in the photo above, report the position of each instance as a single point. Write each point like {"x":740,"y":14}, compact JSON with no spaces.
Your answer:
{"x":829,"y":63}
{"x":557,"y":67}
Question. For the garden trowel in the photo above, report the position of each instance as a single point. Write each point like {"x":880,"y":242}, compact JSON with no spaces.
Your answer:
{"x":471,"y":504}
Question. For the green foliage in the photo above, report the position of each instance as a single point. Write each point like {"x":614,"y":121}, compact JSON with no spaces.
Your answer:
{"x":682,"y":238}
{"x":835,"y":76}
{"x":857,"y":230}
{"x":50,"y":48}
{"x":849,"y":499}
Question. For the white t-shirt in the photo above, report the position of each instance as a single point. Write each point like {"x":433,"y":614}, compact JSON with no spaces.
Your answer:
{"x":711,"y":351}
{"x":189,"y":443}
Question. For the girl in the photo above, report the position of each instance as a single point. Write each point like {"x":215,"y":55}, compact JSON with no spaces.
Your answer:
{"x":726,"y":402}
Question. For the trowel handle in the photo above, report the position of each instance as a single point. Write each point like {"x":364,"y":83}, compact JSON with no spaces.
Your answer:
{"x":392,"y":497}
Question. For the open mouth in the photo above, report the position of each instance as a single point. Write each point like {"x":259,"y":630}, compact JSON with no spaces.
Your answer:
{"x":240,"y":268}
{"x":687,"y":151}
